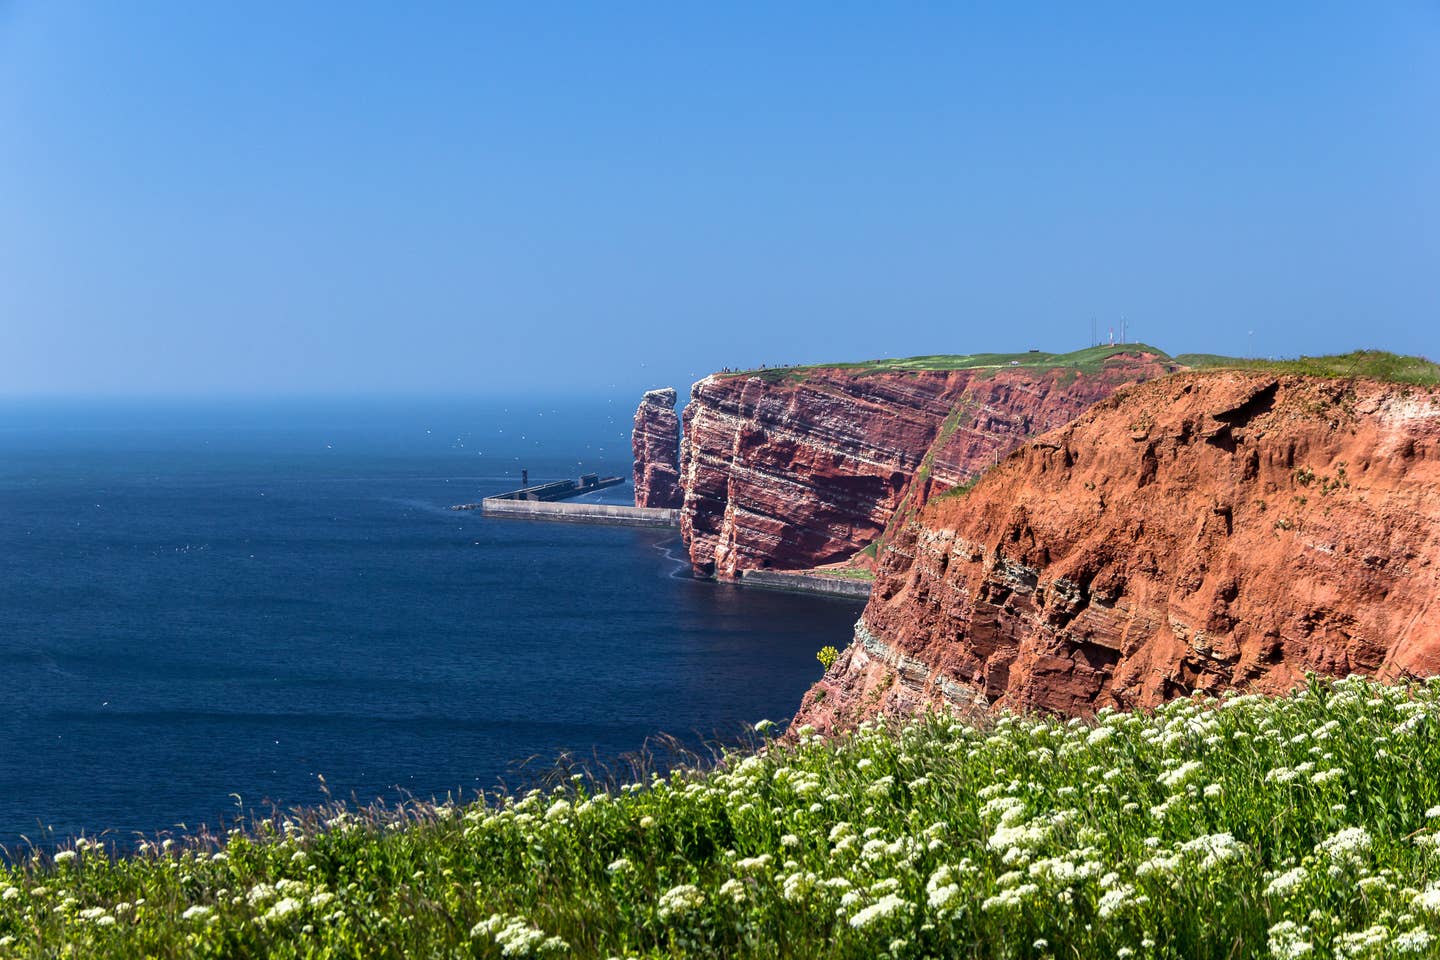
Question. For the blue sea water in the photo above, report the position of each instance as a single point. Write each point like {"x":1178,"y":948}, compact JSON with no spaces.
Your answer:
{"x":200,"y":599}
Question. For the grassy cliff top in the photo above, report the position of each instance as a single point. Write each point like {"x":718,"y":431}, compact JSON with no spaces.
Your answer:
{"x":1371,"y":364}
{"x":1089,"y":360}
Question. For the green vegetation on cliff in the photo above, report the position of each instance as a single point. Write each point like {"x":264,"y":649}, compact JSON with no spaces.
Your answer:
{"x":1241,"y":827}
{"x":1090,"y":361}
{"x":1370,"y":364}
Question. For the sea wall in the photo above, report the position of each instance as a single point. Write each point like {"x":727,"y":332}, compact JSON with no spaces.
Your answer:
{"x":807,"y":583}
{"x":616,"y":514}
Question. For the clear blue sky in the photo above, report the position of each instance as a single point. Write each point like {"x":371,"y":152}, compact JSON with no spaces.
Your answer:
{"x":354,"y":197}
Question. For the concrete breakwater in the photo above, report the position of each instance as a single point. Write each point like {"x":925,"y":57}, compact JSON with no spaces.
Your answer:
{"x":578,"y":512}
{"x":555,"y":489}
{"x":807,"y":583}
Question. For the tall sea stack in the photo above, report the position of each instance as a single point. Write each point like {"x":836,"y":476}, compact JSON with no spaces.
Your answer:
{"x":656,"y":446}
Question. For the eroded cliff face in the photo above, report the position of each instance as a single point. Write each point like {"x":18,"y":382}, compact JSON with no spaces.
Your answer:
{"x":794,"y":472}
{"x":1202,"y":532}
{"x":655,"y":443}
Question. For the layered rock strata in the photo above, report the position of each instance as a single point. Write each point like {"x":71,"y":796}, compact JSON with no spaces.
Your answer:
{"x":1203,"y":532}
{"x":797,"y":471}
{"x":655,"y":443}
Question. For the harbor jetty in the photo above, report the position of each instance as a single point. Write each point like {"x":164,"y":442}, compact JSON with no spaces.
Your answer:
{"x":808,"y":581}
{"x":545,"y":501}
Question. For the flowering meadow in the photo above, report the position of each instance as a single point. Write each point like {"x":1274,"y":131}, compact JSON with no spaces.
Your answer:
{"x":1307,"y":826}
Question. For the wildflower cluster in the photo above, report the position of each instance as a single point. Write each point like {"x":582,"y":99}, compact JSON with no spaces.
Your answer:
{"x":1307,"y":826}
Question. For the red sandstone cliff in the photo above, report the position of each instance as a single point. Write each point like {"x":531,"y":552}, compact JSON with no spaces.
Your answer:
{"x":1202,"y":532}
{"x":655,"y":443}
{"x":795,"y":470}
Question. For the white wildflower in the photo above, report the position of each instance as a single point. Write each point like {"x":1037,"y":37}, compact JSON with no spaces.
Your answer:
{"x":1161,"y":865}
{"x":1428,"y":900}
{"x":733,"y":890}
{"x":1288,"y":941}
{"x":1346,"y":847}
{"x":1011,"y":899}
{"x":1287,"y":882}
{"x":886,"y":906}
{"x":1416,"y":940}
{"x":1181,"y":774}
{"x":1213,"y":849}
{"x":679,"y":900}
{"x":796,"y":886}
{"x":516,"y":938}
{"x":1025,"y":836}
{"x":1114,"y":900}
{"x":282,"y":909}
{"x":1361,"y":943}
{"x":260,"y":893}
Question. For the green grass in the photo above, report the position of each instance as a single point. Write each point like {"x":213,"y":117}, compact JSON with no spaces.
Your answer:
{"x":1089,"y":361}
{"x":958,"y":491}
{"x":1371,"y":364}
{"x":1244,"y":827}
{"x":847,"y":573}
